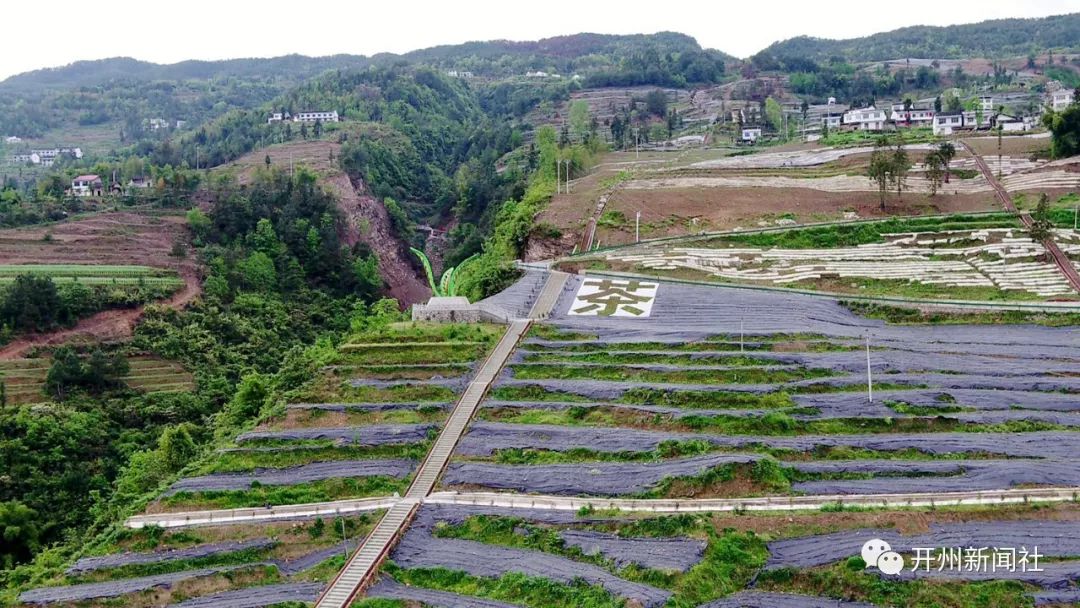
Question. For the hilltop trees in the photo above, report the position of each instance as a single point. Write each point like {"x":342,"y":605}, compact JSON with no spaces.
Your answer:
{"x":889,"y":167}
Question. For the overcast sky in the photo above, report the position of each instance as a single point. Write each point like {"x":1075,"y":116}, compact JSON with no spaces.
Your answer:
{"x":51,"y":33}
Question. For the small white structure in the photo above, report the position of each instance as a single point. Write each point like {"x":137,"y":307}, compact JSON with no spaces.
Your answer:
{"x":447,"y":310}
{"x":459,"y":74}
{"x":946,"y":122}
{"x":866,"y":119}
{"x":1060,"y":99}
{"x":751,"y":134}
{"x":180,"y":124}
{"x":86,"y":185}
{"x":986,"y":103}
{"x":12,"y":139}
{"x":279,"y":117}
{"x":155,"y":124}
{"x":1010,"y":124}
{"x":331,"y":116}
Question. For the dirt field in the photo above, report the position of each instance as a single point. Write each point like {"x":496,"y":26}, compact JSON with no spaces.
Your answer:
{"x":120,"y":237}
{"x":315,"y":155}
{"x":669,"y":212}
{"x":1016,"y":145}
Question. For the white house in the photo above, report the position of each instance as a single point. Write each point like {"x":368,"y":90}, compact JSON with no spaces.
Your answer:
{"x":916,"y":116}
{"x":12,"y":139}
{"x":986,"y":102}
{"x":1060,"y":99}
{"x":1010,"y":123}
{"x":279,"y":117}
{"x":331,"y":116}
{"x":751,"y":134}
{"x":866,"y":119}
{"x":976,"y":120}
{"x":946,"y":122}
{"x":86,"y":185}
{"x":155,"y":124}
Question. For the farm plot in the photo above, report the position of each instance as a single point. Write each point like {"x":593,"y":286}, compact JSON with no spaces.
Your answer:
{"x":448,"y":557}
{"x":972,"y":264}
{"x":606,"y":413}
{"x":358,"y":430}
{"x":221,"y":566}
{"x":24,"y":379}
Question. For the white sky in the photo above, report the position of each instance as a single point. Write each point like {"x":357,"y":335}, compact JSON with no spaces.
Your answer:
{"x":56,"y":32}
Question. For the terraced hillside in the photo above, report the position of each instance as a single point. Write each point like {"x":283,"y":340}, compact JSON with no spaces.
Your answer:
{"x":718,"y":189}
{"x":482,"y":557}
{"x":357,"y":431}
{"x":24,"y":379}
{"x":969,"y":257}
{"x":702,"y":394}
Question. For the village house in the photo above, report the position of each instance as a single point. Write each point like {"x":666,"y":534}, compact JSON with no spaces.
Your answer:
{"x":331,"y":116}
{"x":865,"y":119}
{"x":919,"y":114}
{"x":947,"y":122}
{"x":86,"y":185}
{"x":1060,"y":99}
{"x":751,"y":134}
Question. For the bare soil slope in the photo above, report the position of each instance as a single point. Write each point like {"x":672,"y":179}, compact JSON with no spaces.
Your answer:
{"x":121,"y":237}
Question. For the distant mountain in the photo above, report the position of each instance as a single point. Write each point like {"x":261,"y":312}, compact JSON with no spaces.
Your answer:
{"x":586,"y":53}
{"x":998,"y":38}
{"x":94,"y":73}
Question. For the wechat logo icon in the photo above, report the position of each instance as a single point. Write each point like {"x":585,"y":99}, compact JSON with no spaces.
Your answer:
{"x":879,"y":554}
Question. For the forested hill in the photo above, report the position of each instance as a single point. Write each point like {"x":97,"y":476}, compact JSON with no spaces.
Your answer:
{"x":998,"y":38}
{"x":292,"y":68}
{"x":664,"y":58}
{"x":118,"y":97}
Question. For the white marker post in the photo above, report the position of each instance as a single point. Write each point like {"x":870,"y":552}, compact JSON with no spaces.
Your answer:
{"x":637,"y":227}
{"x":869,"y":379}
{"x":742,"y":332}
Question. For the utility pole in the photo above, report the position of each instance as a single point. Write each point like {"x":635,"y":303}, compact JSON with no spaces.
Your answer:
{"x":196,"y":158}
{"x":567,"y":161}
{"x":344,"y":539}
{"x":869,"y":379}
{"x":1076,"y":212}
{"x":637,"y":227}
{"x":557,"y":169}
{"x":637,"y":143}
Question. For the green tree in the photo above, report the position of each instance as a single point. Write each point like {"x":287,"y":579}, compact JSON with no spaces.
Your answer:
{"x":177,"y":447}
{"x":946,"y":151}
{"x":656,"y":103}
{"x":1041,"y":224}
{"x":880,"y":171}
{"x":258,"y":272}
{"x":579,"y":119}
{"x":774,"y":114}
{"x":935,"y":171}
{"x":900,"y":165}
{"x":65,"y":374}
{"x":1064,"y":129}
{"x":20,"y":531}
{"x":32,"y":303}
